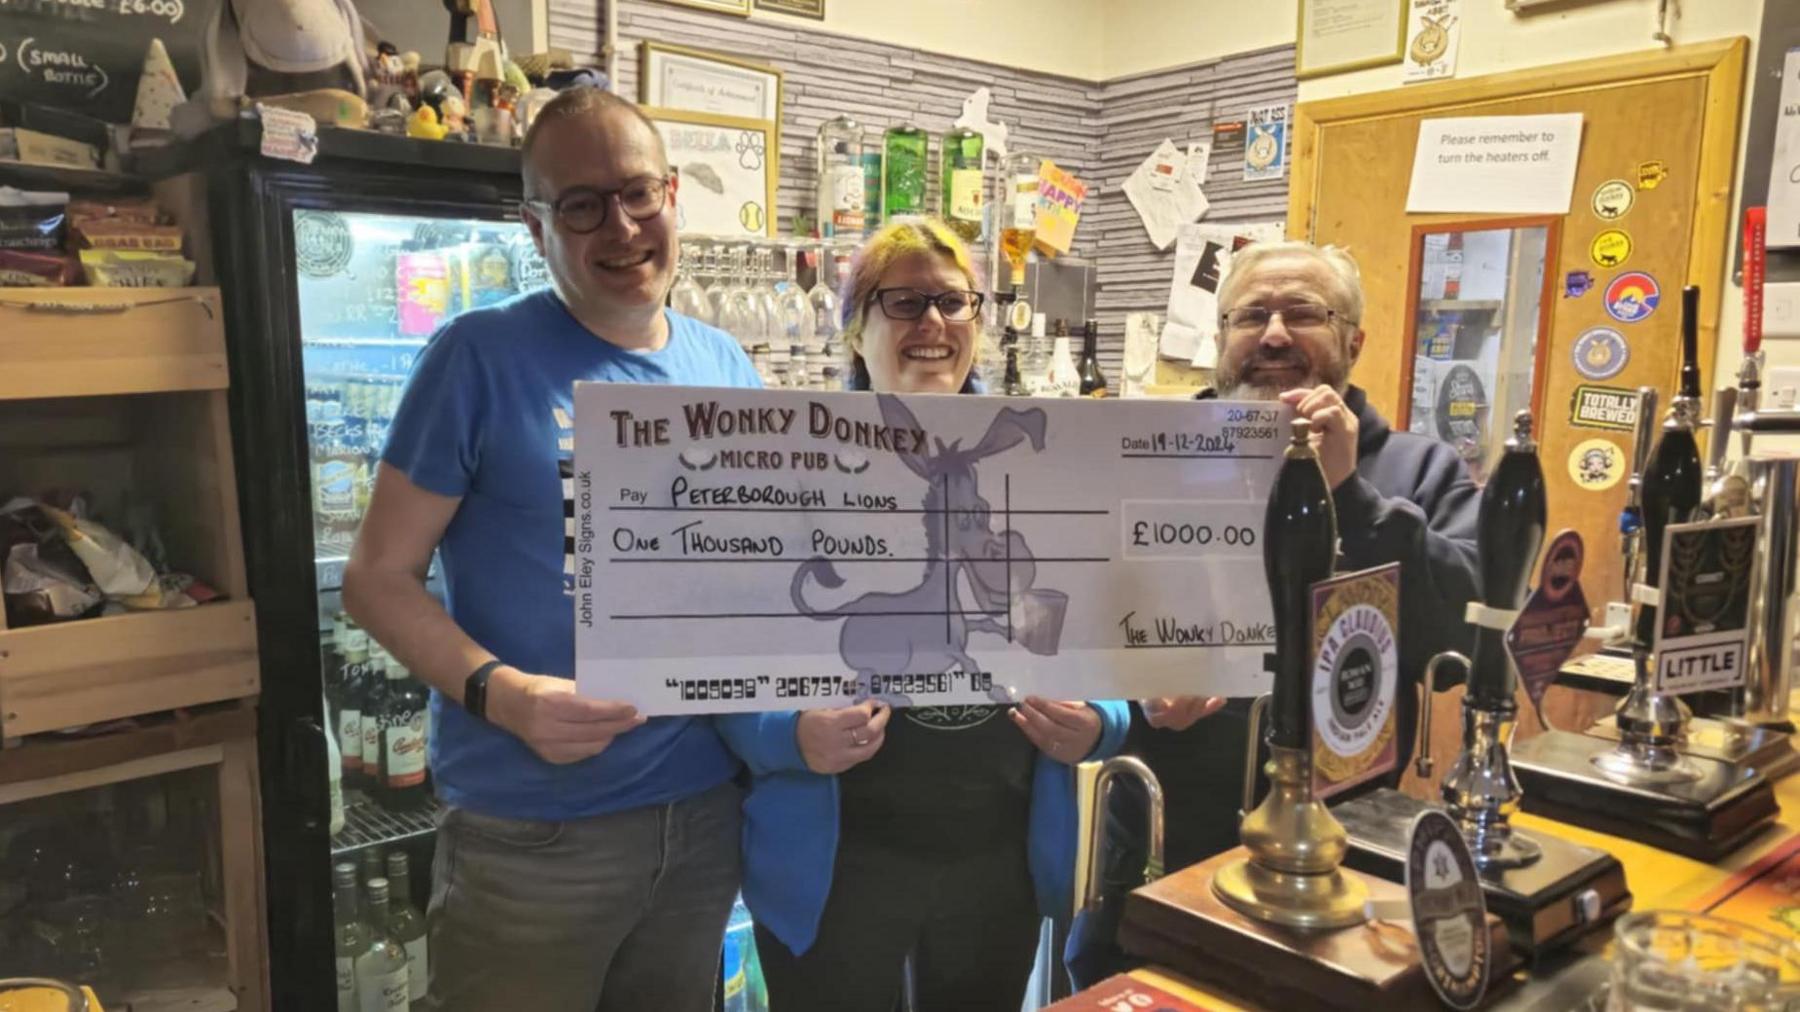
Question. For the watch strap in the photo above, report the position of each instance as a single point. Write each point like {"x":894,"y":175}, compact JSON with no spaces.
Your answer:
{"x":475,"y":690}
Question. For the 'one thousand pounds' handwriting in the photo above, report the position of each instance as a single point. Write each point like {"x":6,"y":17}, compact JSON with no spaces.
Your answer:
{"x":739,"y":550}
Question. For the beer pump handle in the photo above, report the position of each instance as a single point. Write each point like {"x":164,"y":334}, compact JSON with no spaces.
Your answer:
{"x":1257,"y":709}
{"x":1642,"y":438}
{"x":1423,"y":764}
{"x":1719,"y":439}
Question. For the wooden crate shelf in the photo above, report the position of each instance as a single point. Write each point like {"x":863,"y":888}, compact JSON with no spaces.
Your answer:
{"x":74,"y":673}
{"x":86,"y":342}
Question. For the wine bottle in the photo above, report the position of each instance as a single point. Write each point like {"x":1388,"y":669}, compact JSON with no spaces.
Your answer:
{"x":1093,"y":381}
{"x":840,"y":178}
{"x":1510,"y":531}
{"x":382,"y":983}
{"x":402,"y":720}
{"x":348,"y":939}
{"x":408,"y":925}
{"x":903,"y":152}
{"x":960,"y":173}
{"x":1014,"y":385}
{"x":1299,"y":550}
{"x":353,"y":686}
{"x":1673,"y":480}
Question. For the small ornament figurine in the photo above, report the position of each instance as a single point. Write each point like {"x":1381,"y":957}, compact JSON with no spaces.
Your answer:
{"x":424,"y":125}
{"x":159,"y":90}
{"x":454,"y":114}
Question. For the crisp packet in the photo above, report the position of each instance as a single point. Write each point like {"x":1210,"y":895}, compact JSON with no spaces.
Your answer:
{"x":138,"y":210}
{"x":32,"y":220}
{"x":22,"y":269}
{"x":122,"y":268}
{"x":118,"y":233}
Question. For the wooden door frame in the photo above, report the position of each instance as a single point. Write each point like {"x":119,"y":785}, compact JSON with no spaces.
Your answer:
{"x":1721,"y":62}
{"x":1409,"y":342}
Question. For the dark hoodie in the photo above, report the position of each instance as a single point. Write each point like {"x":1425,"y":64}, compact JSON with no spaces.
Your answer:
{"x":1410,"y":501}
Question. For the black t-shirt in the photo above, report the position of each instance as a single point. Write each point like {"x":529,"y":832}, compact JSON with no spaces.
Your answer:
{"x":946,"y":776}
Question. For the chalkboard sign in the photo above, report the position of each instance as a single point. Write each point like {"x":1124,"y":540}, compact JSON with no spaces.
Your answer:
{"x":86,"y":55}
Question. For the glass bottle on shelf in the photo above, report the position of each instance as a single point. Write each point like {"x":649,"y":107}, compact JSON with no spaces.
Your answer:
{"x":1014,"y":386}
{"x":372,"y":869}
{"x":874,"y":214}
{"x":408,"y":924}
{"x":1064,"y":379}
{"x":382,"y":981}
{"x":1093,"y":381}
{"x":904,"y":149}
{"x":840,"y":178}
{"x":963,"y":180}
{"x":403,"y":780}
{"x":1018,"y":218}
{"x":348,"y":938}
{"x":374,"y":702}
{"x":1035,"y":363}
{"x":334,"y":770}
{"x":353,"y":688}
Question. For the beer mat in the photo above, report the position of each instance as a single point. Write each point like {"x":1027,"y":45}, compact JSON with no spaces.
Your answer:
{"x":1765,"y":895}
{"x":1122,"y":991}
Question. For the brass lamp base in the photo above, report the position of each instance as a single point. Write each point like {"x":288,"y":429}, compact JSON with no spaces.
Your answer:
{"x":1307,"y":902}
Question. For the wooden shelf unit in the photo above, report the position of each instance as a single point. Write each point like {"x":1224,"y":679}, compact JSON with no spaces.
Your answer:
{"x":120,"y":393}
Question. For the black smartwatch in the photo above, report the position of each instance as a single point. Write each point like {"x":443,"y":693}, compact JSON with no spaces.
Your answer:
{"x":475,"y":690}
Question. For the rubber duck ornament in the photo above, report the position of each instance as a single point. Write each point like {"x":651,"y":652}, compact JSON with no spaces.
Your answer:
{"x":424,"y":125}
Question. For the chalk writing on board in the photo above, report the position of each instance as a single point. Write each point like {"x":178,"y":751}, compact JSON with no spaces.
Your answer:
{"x":63,"y":67}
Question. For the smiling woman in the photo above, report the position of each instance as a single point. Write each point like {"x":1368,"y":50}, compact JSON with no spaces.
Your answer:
{"x":912,"y":311}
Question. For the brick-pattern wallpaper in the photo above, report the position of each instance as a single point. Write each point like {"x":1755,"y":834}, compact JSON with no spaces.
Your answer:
{"x":1099,"y":131}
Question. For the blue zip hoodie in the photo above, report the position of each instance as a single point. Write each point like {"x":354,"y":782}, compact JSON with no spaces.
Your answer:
{"x":791,"y":823}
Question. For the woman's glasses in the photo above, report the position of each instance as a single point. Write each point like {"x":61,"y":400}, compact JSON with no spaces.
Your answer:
{"x":910,"y":303}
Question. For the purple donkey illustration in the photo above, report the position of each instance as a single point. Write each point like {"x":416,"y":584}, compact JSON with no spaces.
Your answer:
{"x":925,"y":629}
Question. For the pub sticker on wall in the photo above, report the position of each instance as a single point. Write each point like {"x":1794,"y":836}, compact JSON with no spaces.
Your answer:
{"x":1433,"y":31}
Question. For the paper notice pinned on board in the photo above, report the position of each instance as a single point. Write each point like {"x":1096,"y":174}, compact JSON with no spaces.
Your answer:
{"x":1202,"y":259}
{"x":1784,"y":161}
{"x":1165,"y":193}
{"x":1518,"y":164}
{"x":1434,"y":30}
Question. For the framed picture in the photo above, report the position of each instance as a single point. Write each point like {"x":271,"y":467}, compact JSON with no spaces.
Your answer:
{"x":675,"y":77}
{"x":728,"y":166}
{"x":739,"y":8}
{"x":1340,"y":35}
{"x":814,"y":9}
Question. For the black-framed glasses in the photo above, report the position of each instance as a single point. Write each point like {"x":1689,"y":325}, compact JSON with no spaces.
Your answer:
{"x":910,"y":303}
{"x":582,"y":209}
{"x":1298,"y":318}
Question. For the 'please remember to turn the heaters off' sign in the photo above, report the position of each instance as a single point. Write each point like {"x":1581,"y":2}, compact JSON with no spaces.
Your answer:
{"x":1519,"y":164}
{"x":741,"y":550}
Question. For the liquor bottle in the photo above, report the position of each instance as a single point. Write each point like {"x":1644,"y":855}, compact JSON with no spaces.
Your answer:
{"x":372,"y":868}
{"x":382,"y":981}
{"x":353,"y":687}
{"x":1093,"y":381}
{"x":408,"y":924}
{"x":904,"y":149}
{"x":1014,"y":386}
{"x":373,"y":700}
{"x":1018,"y":218}
{"x":1510,"y":530}
{"x":1064,"y":380}
{"x":874,"y":214}
{"x":348,"y":938}
{"x":840,"y":178}
{"x":960,"y":173}
{"x":1299,"y":550}
{"x":1673,"y":480}
{"x":403,"y":716}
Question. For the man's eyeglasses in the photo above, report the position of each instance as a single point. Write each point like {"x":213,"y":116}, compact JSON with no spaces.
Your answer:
{"x":910,"y":303}
{"x":1298,"y":318}
{"x":582,"y":209}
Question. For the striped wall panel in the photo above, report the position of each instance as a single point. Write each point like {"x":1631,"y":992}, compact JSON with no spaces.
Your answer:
{"x":1099,"y":131}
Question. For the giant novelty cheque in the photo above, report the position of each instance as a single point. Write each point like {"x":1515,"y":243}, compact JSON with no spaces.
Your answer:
{"x":739,"y":550}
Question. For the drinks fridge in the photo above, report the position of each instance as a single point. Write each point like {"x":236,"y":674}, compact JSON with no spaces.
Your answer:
{"x":334,"y":276}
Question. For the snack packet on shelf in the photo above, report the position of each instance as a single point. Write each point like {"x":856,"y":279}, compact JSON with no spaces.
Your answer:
{"x":22,"y":269}
{"x":41,"y":577}
{"x":118,"y":233}
{"x":120,"y":268}
{"x":116,"y":567}
{"x":32,"y":219}
{"x":133,"y":210}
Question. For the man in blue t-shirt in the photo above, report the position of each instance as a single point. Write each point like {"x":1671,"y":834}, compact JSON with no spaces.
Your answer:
{"x":588,"y":857}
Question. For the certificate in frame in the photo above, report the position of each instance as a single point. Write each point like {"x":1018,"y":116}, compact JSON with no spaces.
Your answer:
{"x":728,"y":167}
{"x":736,"y":8}
{"x":698,"y":80}
{"x":814,"y":9}
{"x":1336,"y":36}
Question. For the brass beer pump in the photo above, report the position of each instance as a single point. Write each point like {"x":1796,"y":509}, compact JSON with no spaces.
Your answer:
{"x":1291,"y":875}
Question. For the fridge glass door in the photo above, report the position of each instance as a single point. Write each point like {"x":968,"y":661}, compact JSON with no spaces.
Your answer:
{"x":372,"y":289}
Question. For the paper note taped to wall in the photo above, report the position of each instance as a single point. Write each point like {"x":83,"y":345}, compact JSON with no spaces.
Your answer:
{"x":1495,"y":164}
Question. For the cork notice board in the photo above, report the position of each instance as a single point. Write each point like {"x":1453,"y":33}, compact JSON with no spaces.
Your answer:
{"x":1677,"y":107}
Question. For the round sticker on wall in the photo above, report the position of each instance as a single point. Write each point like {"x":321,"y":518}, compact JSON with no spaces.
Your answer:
{"x":1597,"y":464}
{"x":1600,"y":353}
{"x":1612,"y":199}
{"x":1632,"y":297}
{"x":1610,"y":248}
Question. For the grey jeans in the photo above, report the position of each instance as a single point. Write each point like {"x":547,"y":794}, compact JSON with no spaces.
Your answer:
{"x":616,"y":912}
